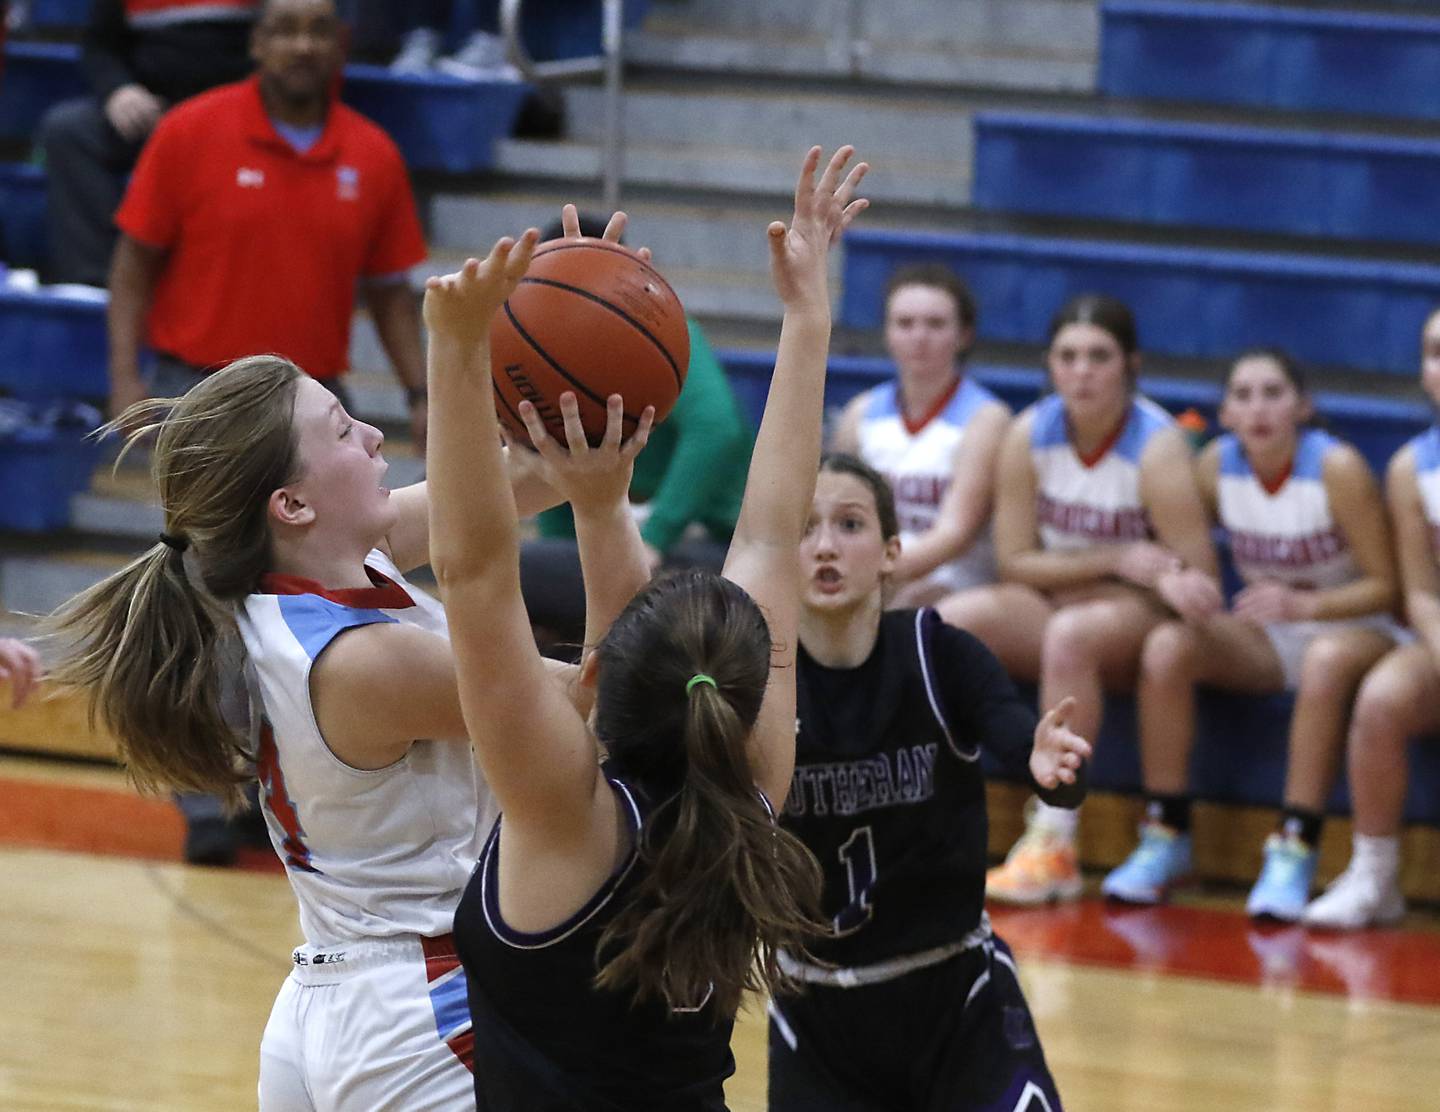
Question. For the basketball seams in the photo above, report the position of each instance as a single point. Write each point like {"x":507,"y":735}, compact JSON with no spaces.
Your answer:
{"x":554,"y":366}
{"x":617,"y":249}
{"x":619,"y":312}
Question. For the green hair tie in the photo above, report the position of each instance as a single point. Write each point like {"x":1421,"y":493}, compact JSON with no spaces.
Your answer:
{"x":700,"y":677}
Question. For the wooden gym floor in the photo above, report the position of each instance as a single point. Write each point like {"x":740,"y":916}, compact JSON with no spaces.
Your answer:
{"x":132,"y":982}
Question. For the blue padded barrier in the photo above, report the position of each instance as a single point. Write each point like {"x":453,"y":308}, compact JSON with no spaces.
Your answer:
{"x":559,"y":29}
{"x":1188,"y":301}
{"x":52,"y":346}
{"x":1271,"y":57}
{"x":22,"y":214}
{"x":1342,"y":186}
{"x":37,"y":76}
{"x":439,"y":122}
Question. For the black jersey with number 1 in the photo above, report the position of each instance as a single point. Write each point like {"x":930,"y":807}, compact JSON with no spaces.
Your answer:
{"x":888,"y":790}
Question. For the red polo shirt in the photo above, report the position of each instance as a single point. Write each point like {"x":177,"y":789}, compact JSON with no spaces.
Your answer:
{"x":266,"y":244}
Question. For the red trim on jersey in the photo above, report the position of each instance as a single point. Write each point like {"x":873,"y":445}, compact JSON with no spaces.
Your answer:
{"x":1089,"y":461}
{"x":440,"y":956}
{"x":385,"y":595}
{"x":1273,"y":487}
{"x":914,"y":427}
{"x":277,"y":799}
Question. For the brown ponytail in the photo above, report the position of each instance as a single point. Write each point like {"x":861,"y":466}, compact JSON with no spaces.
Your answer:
{"x":150,"y":644}
{"x":725,"y":888}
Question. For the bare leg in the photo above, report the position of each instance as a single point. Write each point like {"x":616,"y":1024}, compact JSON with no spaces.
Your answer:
{"x":1333,"y":667}
{"x":1009,"y":618}
{"x":1399,"y":699}
{"x":1226,"y":653}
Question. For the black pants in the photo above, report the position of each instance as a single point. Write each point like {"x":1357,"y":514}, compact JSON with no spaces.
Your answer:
{"x":955,"y":1037}
{"x":87,"y":162}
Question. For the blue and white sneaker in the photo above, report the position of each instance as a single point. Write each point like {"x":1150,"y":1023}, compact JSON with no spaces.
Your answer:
{"x":1160,"y":861}
{"x":1283,"y":889}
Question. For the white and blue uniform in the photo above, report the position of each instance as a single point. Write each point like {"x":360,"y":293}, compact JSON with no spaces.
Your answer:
{"x":1425,"y":451}
{"x":1083,"y":503}
{"x":377,"y":859}
{"x":1289,"y":535}
{"x":919,"y":463}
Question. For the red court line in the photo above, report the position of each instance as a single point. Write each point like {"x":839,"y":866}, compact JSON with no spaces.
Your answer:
{"x":1390,"y":964}
{"x":89,"y":820}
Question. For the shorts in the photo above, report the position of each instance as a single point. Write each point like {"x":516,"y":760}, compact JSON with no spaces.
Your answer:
{"x":953,"y":1037}
{"x":1290,"y":640}
{"x":375,"y":1025}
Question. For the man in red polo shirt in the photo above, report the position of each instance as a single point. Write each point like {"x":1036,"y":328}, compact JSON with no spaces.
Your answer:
{"x":254,"y":211}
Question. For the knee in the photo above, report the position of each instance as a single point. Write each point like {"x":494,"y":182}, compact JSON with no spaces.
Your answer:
{"x":1168,"y":653}
{"x":1071,"y":638}
{"x":968,"y":610}
{"x":1331,"y":667}
{"x":1383,"y":709}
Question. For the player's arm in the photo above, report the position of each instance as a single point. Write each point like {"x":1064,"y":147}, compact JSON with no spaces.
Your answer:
{"x":534,"y":749}
{"x":764,"y":554}
{"x":1173,"y":498}
{"x":965,"y":509}
{"x":981,"y":699}
{"x":846,"y":435}
{"x":1358,"y":507}
{"x":1419,"y":576}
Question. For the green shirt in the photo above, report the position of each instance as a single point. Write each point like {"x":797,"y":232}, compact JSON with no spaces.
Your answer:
{"x":694,"y":468}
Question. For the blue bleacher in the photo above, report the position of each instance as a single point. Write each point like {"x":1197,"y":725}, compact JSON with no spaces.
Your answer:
{"x":1302,"y":183}
{"x":58,"y":15}
{"x":1241,"y":749}
{"x":22,"y":214}
{"x":37,"y":75}
{"x":1188,"y":301}
{"x":439,"y":122}
{"x":1271,"y":57}
{"x":52,"y":345}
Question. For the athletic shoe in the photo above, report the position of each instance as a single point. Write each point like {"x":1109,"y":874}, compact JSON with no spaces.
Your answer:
{"x":1284,"y":885}
{"x":1040,"y":868}
{"x":481,"y":58}
{"x":417,"y":51}
{"x":1160,"y":861}
{"x":1356,"y":899}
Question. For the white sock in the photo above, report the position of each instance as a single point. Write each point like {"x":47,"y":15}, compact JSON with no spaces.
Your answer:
{"x":1379,"y":856}
{"x":1055,"y":821}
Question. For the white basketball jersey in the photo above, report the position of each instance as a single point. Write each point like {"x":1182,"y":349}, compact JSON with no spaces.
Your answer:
{"x":1081,"y":503}
{"x":369,"y":854}
{"x":1425,"y":449}
{"x":1286,"y":534}
{"x":918,"y":461}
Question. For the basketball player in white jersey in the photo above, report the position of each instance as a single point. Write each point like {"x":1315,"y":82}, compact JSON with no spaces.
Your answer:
{"x":1100,"y":536}
{"x":1400,"y":697}
{"x":277,"y":518}
{"x":934,"y":433}
{"x":1310,"y":542}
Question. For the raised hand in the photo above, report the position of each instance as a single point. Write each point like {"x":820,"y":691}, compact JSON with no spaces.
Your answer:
{"x":1058,"y":751}
{"x":20,"y":665}
{"x":590,"y":479}
{"x":614,"y":229}
{"x":823,"y":211}
{"x":460,"y":306}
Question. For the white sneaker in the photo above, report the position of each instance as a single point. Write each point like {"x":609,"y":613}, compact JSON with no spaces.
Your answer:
{"x":417,"y":51}
{"x":1356,"y":899}
{"x":482,"y":57}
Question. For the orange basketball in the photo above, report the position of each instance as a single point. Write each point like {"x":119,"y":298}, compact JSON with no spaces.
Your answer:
{"x":592,"y":317}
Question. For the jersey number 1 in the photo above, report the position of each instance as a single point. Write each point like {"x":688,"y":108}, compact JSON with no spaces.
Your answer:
{"x":858,"y":857}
